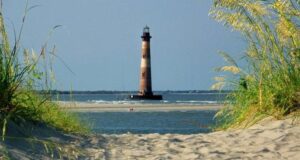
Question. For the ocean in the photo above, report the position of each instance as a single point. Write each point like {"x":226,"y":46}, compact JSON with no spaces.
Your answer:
{"x":143,"y":122}
{"x":176,"y":122}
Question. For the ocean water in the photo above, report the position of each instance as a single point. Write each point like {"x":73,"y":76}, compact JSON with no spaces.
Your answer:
{"x":188,"y":122}
{"x":198,"y":98}
{"x":177,"y":122}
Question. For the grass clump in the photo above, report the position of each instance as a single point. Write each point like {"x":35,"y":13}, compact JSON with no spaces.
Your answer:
{"x":269,"y":85}
{"x":20,"y":78}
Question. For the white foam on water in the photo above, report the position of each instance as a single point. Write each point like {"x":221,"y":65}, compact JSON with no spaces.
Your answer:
{"x":114,"y":102}
{"x":200,"y":102}
{"x":97,"y":101}
{"x":150,"y":102}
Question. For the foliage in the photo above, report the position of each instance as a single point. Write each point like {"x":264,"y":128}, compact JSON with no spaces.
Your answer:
{"x":20,"y":77}
{"x":270,"y":84}
{"x":19,"y":80}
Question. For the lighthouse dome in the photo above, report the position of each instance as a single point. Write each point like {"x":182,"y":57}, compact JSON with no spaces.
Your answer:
{"x":146,"y":29}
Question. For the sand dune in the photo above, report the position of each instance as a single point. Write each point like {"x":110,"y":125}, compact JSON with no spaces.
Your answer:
{"x":270,"y":139}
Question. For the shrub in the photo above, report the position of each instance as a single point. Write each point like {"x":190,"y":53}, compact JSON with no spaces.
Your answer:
{"x":20,"y":77}
{"x":270,"y":84}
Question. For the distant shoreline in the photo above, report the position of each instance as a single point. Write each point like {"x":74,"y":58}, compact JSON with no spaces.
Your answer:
{"x":94,"y":107}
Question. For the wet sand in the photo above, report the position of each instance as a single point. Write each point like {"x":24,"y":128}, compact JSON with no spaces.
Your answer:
{"x":93,"y":107}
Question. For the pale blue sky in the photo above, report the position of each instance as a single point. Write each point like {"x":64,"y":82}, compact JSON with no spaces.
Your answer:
{"x":100,"y":41}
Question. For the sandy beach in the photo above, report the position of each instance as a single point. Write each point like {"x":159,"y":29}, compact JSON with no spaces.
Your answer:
{"x":268,"y":140}
{"x":94,"y":107}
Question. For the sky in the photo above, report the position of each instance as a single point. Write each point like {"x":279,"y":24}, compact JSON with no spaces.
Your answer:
{"x":100,"y":41}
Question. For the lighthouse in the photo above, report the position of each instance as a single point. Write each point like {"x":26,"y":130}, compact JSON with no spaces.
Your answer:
{"x":145,"y":91}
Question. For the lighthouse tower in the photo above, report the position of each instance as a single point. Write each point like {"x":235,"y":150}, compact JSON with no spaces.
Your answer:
{"x":145,"y":91}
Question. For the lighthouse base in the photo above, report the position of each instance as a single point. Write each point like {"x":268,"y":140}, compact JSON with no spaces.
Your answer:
{"x":145,"y":97}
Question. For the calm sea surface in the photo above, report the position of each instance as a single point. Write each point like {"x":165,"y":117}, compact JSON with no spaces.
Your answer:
{"x":178,"y":122}
{"x":188,"y":122}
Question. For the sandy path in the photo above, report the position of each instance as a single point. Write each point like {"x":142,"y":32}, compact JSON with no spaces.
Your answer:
{"x":267,"y":140}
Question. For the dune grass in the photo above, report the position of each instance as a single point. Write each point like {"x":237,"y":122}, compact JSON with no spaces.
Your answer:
{"x":269,"y":85}
{"x":22,"y":73}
